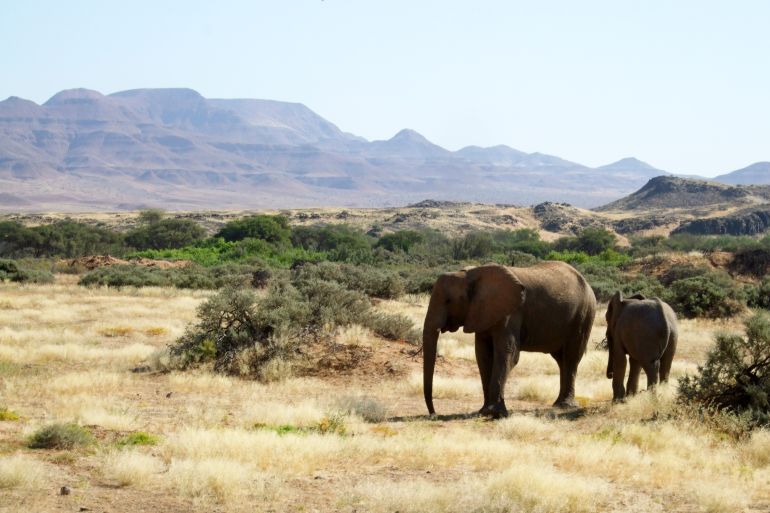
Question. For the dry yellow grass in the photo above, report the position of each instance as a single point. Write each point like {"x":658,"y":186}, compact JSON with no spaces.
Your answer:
{"x":21,"y":471}
{"x":67,"y":354}
{"x":131,"y":468}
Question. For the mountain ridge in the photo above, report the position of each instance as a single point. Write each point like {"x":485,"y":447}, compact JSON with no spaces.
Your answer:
{"x":174,"y":148}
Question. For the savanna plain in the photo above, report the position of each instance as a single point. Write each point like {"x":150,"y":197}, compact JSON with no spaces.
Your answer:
{"x":347,"y":440}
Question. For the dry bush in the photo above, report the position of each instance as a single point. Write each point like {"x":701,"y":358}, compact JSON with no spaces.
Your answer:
{"x":117,"y":331}
{"x":60,"y":436}
{"x":368,"y":408}
{"x":757,"y":449}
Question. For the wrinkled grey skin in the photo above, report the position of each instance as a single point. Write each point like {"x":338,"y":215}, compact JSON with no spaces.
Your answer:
{"x":547,"y":308}
{"x":646,"y":331}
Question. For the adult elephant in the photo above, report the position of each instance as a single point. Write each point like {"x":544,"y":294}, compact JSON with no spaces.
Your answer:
{"x":547,"y":308}
{"x":646,"y":331}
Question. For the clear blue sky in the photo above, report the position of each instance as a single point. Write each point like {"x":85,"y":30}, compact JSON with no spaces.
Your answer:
{"x":683,"y":85}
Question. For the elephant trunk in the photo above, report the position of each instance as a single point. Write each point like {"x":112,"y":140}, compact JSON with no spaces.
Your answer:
{"x":429,"y":348}
{"x":610,"y":371}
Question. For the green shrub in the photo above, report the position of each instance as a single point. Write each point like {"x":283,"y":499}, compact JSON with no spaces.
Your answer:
{"x":420,"y":279}
{"x":681,"y":271}
{"x":272,"y":229}
{"x":758,"y":296}
{"x":188,"y":277}
{"x":11,"y":271}
{"x":605,"y":280}
{"x":474,"y":245}
{"x":606,"y":257}
{"x":524,"y":240}
{"x":165,"y":234}
{"x":217,"y":251}
{"x":401,"y":240}
{"x":60,"y":436}
{"x":371,"y":280}
{"x":435,"y":249}
{"x":736,"y":375}
{"x":124,"y":276}
{"x":711,"y":295}
{"x":592,"y":241}
{"x":516,"y":258}
{"x":65,"y":238}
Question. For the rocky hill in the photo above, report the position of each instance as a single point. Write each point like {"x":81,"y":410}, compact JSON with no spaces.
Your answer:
{"x":669,"y":192}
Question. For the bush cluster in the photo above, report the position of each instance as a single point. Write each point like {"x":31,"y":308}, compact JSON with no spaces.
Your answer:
{"x":241,"y":333}
{"x":736,"y":376}
{"x":188,"y":277}
{"x":371,"y":280}
{"x":711,"y":294}
{"x":606,"y":279}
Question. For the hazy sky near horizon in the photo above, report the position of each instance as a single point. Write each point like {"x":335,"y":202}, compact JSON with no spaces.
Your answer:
{"x":682,"y":85}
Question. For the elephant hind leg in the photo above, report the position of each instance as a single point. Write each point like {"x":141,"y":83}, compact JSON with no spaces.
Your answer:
{"x":568,"y":365}
{"x":652,"y":369}
{"x":634,"y":370}
{"x":667,"y":358}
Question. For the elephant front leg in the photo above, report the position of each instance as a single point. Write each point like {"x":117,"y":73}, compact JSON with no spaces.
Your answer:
{"x":484,"y":359}
{"x":503,"y":354}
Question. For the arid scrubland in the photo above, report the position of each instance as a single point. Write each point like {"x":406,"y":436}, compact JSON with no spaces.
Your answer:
{"x":196,"y":440}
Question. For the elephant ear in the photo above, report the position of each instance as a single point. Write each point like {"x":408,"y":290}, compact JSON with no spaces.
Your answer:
{"x":613,"y":309}
{"x":493,"y":293}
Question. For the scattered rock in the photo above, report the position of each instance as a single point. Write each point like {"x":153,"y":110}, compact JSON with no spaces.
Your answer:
{"x":64,"y":490}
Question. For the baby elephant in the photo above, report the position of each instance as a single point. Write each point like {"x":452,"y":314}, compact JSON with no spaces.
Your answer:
{"x":646,"y":331}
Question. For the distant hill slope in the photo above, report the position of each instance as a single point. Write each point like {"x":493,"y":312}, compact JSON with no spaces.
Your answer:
{"x":669,"y":192}
{"x":757,"y":173}
{"x":173,"y":148}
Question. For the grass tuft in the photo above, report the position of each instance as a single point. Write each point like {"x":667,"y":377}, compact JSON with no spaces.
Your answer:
{"x":8,"y":415}
{"x":138,"y":438}
{"x":20,"y":471}
{"x":131,"y":468}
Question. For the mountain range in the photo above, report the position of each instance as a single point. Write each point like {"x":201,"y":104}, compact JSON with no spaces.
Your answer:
{"x":173,"y":148}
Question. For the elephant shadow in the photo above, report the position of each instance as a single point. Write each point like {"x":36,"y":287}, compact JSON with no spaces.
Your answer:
{"x":549,"y":413}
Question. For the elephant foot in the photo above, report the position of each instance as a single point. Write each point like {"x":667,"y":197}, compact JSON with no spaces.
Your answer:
{"x":618,"y":400}
{"x":495,"y":411}
{"x":568,"y":402}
